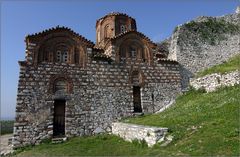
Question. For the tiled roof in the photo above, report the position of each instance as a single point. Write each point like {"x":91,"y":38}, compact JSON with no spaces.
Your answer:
{"x":133,"y":31}
{"x":114,"y":14}
{"x":59,"y":28}
{"x":166,"y":60}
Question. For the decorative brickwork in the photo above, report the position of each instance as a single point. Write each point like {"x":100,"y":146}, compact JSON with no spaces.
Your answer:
{"x":64,"y":90}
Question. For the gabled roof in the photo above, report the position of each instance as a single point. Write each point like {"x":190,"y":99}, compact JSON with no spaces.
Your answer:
{"x":59,"y":29}
{"x":114,"y":14}
{"x":133,"y":32}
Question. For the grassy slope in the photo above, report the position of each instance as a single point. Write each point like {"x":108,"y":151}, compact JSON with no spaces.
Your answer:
{"x":231,"y":65}
{"x":215,"y":115}
{"x":202,"y":124}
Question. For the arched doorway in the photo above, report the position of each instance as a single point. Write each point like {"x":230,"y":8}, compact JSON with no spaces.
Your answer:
{"x":137,"y":82}
{"x":59,"y":118}
{"x":137,"y":99}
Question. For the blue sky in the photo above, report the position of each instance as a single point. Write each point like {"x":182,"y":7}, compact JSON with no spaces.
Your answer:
{"x":155,"y":18}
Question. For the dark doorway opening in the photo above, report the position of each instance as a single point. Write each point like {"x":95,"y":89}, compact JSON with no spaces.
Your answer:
{"x":59,"y":118}
{"x":137,"y":99}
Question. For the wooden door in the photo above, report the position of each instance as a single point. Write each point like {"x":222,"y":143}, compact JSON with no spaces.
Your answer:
{"x":137,"y":99}
{"x":59,"y":118}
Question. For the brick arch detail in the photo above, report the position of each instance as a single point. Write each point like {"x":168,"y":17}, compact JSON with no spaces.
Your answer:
{"x":141,"y":78}
{"x":48,"y":45}
{"x":56,"y":78}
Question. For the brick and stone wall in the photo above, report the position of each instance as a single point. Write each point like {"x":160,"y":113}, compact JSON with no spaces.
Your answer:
{"x":131,"y":132}
{"x":213,"y":81}
{"x":97,"y":95}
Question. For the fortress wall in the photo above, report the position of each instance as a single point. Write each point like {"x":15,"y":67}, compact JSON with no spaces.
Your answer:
{"x":195,"y":54}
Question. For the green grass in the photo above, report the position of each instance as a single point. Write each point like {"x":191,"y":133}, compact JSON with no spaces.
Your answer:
{"x":7,"y":127}
{"x":203,"y":124}
{"x":100,"y":145}
{"x":231,"y":65}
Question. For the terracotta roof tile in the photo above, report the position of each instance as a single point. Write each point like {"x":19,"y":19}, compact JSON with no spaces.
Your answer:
{"x":59,"y":28}
{"x":166,"y":60}
{"x":133,"y":31}
{"x":114,"y":14}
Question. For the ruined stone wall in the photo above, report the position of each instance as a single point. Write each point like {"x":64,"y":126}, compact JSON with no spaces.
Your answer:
{"x":98,"y":94}
{"x":196,"y":50}
{"x":131,"y":132}
{"x":213,"y":81}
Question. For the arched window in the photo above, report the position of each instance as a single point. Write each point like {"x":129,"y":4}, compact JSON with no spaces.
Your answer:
{"x":60,"y":86}
{"x":123,"y":28}
{"x":132,"y":51}
{"x":76,"y":56}
{"x":107,"y":31}
{"x":62,"y":56}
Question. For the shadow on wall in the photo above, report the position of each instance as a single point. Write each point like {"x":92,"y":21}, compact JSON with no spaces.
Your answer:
{"x":185,"y":77}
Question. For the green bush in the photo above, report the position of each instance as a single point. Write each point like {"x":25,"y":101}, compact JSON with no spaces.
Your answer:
{"x":7,"y":126}
{"x":212,"y":30}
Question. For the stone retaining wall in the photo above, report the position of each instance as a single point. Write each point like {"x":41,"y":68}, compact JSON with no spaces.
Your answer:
{"x":213,"y":81}
{"x":131,"y":132}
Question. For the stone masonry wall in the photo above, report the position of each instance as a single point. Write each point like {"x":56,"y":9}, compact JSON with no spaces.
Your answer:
{"x":194,"y":54}
{"x":213,"y":81}
{"x":131,"y":132}
{"x":99,"y":94}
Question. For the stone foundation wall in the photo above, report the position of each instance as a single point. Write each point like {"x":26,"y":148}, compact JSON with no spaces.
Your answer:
{"x":213,"y":81}
{"x":131,"y":132}
{"x":97,"y":95}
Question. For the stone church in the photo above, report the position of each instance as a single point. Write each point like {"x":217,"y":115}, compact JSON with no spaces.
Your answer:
{"x":69,"y":86}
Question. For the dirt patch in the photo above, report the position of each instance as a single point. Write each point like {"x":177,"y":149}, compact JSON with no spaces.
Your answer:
{"x":4,"y":143}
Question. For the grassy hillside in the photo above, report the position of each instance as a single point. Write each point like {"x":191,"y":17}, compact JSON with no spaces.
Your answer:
{"x":231,"y":65}
{"x":6,"y":126}
{"x":202,"y":124}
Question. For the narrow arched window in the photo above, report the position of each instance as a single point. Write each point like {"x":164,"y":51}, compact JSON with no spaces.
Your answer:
{"x":107,"y":31}
{"x":62,"y":56}
{"x":144,"y":57}
{"x":123,"y":28}
{"x":133,"y":51}
{"x":76,"y":56}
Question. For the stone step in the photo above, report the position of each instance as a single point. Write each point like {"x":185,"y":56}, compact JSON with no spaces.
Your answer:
{"x":138,"y":114}
{"x":59,"y":139}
